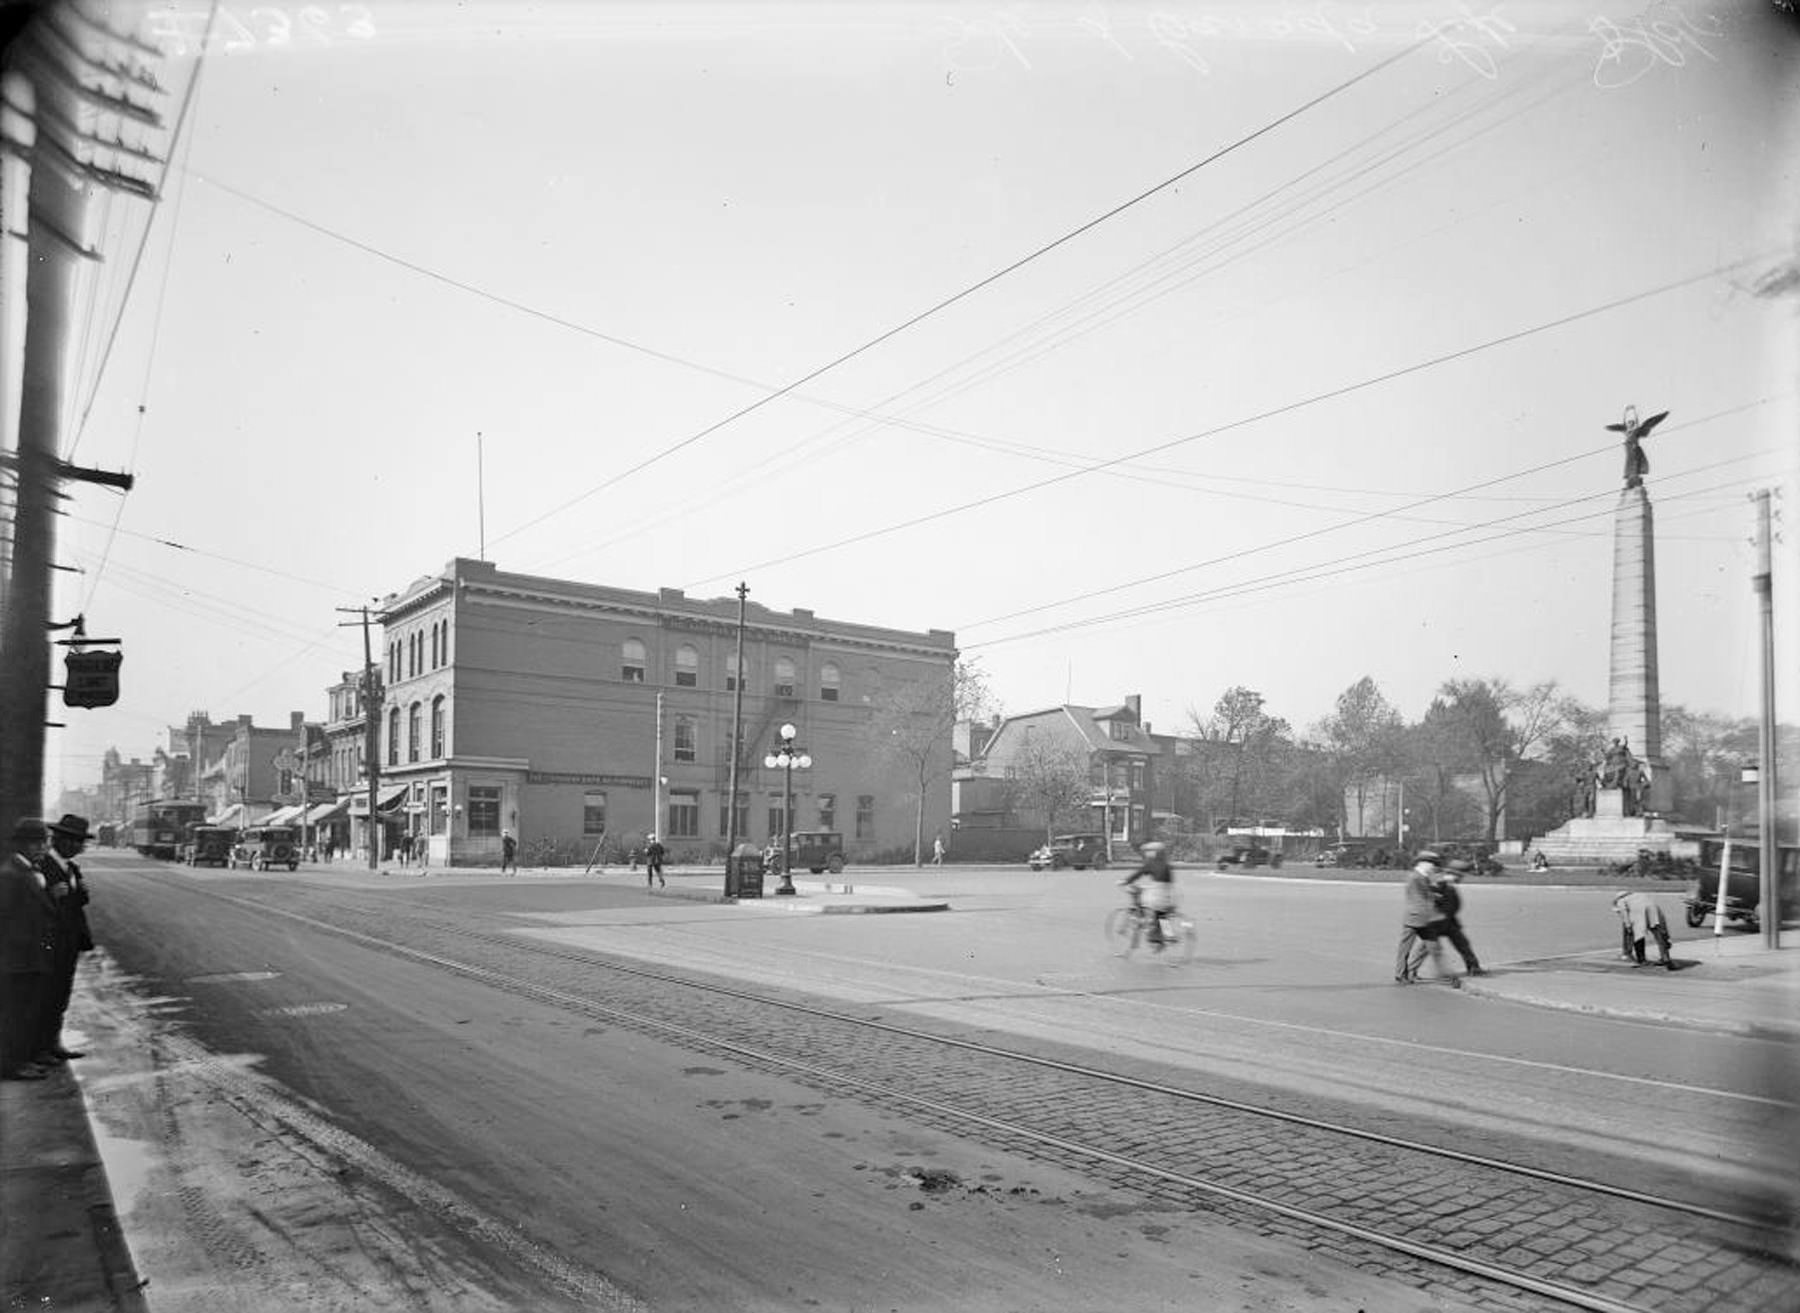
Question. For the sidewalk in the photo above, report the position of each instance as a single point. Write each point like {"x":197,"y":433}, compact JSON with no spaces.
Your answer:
{"x":1729,"y":983}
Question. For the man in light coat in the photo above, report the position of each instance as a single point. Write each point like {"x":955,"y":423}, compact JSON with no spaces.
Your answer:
{"x":1643,"y":920}
{"x":1421,"y":924}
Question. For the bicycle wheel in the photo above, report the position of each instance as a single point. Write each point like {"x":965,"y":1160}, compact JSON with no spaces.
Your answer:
{"x":1179,"y":940}
{"x":1122,"y":930}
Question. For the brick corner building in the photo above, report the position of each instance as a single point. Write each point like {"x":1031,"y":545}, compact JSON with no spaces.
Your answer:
{"x":536,"y":706}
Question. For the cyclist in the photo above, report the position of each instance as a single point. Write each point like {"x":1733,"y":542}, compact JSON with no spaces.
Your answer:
{"x":1158,"y":894}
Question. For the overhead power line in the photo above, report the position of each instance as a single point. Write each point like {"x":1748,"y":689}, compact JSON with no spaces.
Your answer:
{"x":1355,"y":521}
{"x":1286,"y":408}
{"x":968,"y":291}
{"x":1327,"y":570}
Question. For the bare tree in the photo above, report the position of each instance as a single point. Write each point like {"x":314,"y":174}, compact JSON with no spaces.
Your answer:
{"x":912,"y":726}
{"x":1049,"y":778}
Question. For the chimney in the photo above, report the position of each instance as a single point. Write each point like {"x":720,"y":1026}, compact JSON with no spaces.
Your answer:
{"x":295,"y":720}
{"x":1135,"y":705}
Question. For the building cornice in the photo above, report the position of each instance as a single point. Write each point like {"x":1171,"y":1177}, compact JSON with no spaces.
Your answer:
{"x":671,"y":611}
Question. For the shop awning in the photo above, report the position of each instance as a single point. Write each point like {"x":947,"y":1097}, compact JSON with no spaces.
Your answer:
{"x":233,"y":816}
{"x":328,"y":811}
{"x":283,"y":816}
{"x":386,"y":801}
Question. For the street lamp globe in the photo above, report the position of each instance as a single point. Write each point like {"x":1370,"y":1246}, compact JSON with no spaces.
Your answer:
{"x":788,"y":731}
{"x":771,"y":761}
{"x":803,"y":761}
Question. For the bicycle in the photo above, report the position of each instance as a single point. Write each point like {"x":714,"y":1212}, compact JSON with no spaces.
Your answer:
{"x":1128,"y":927}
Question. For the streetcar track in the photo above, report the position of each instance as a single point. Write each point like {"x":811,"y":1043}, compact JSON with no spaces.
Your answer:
{"x":888,"y":1093}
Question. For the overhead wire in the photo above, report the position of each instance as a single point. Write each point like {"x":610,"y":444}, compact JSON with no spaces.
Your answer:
{"x":968,"y":291}
{"x":1365,"y":518}
{"x":1300,"y":574}
{"x":1285,"y":408}
{"x":179,"y":138}
{"x":877,"y":416}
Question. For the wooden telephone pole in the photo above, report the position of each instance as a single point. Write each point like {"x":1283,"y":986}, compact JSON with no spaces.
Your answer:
{"x":371,"y":700}
{"x":51,"y":234}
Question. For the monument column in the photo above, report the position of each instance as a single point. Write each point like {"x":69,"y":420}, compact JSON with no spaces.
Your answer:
{"x":1634,"y":704}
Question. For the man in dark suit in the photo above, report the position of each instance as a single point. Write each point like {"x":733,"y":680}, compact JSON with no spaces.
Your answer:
{"x":63,"y":882}
{"x":27,"y":951}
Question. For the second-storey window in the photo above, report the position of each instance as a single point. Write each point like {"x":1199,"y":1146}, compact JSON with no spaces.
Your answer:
{"x":829,"y":682}
{"x":685,"y":748}
{"x":784,"y":678}
{"x":631,"y":661}
{"x":687,"y":666}
{"x":394,"y":734}
{"x":437,"y":726}
{"x":412,"y":732}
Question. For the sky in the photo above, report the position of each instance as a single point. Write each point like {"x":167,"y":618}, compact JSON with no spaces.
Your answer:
{"x":1151,"y":349}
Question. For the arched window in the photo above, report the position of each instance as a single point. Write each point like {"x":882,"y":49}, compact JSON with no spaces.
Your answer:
{"x":829,"y":682}
{"x":437,"y":727}
{"x":434,"y":647}
{"x":394,"y":734}
{"x":631,"y":661}
{"x":412,"y":732}
{"x":687,"y":666}
{"x":784,"y":677}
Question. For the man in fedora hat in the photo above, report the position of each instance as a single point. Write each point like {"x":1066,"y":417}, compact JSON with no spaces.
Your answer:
{"x":63,"y":882}
{"x":27,"y":951}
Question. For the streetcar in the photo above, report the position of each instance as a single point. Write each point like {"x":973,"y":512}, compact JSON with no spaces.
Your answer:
{"x":159,"y":828}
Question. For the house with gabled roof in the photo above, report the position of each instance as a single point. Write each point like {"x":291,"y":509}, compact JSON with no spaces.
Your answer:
{"x":1114,"y":742}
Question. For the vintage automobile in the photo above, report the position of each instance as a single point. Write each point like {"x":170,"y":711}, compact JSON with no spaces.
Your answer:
{"x":1358,"y":853}
{"x":1248,"y":855}
{"x":1080,"y":851}
{"x":264,"y":846}
{"x":1743,"y":887}
{"x":1480,"y":856}
{"x":208,"y":845}
{"x":816,"y":851}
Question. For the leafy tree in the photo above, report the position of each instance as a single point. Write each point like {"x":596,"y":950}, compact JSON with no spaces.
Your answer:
{"x":1362,"y":740}
{"x":912,"y":726}
{"x":1492,"y":727}
{"x":1247,"y":753}
{"x":1435,"y":758}
{"x":1050,"y":778}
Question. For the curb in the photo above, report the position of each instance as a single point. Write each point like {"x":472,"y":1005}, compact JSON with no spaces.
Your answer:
{"x":66,"y":1178}
{"x":1750,"y":1029}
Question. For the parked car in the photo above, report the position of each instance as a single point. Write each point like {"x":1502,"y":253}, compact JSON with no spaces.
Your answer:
{"x":1248,"y":855}
{"x":1080,"y":851}
{"x":208,"y":845}
{"x":816,"y":851}
{"x":263,"y":846}
{"x":1479,"y":855}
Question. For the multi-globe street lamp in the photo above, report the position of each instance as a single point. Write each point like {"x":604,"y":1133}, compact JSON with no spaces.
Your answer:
{"x":785,"y":757}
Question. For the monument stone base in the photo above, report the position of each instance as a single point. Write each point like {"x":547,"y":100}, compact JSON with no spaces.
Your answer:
{"x":1609,"y":835}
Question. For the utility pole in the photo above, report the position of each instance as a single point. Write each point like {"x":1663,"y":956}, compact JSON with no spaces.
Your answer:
{"x":1769,"y":859}
{"x":371,"y":699}
{"x":52,"y":204}
{"x":656,"y":775}
{"x":737,"y":725}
